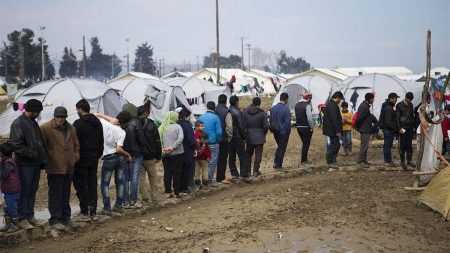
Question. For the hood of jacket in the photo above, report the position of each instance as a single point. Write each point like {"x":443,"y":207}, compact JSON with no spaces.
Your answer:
{"x":91,"y":120}
{"x":252,"y":109}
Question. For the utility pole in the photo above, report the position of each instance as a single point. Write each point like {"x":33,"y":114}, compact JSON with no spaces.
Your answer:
{"x":163,"y":67}
{"x":189,"y":68}
{"x":42,"y":28}
{"x":248,"y":48}
{"x":6,"y":59}
{"x":21,"y":59}
{"x":198,"y":63}
{"x":242,"y":53}
{"x":128,"y":54}
{"x":217,"y":42}
{"x":159,"y":68}
{"x":84,"y":59}
{"x":112,"y":65}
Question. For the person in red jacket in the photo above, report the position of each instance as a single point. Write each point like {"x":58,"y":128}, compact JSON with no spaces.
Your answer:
{"x":445,"y":128}
{"x":203,"y":155}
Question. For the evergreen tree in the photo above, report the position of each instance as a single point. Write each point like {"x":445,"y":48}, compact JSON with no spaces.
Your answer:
{"x":232,"y":61}
{"x":291,"y":65}
{"x":144,"y":59}
{"x":68,"y":65}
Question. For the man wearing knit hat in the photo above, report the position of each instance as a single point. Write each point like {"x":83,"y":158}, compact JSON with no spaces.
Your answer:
{"x":31,"y":154}
{"x":61,"y":139}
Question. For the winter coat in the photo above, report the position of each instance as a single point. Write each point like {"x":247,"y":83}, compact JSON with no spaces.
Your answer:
{"x":226,"y":121}
{"x":445,"y":125}
{"x":134,"y":142}
{"x":303,"y":114}
{"x":332,"y":120}
{"x":256,"y":125}
{"x":405,"y":115}
{"x":189,"y":143}
{"x":365,"y":118}
{"x":10,"y":176}
{"x":388,"y":117}
{"x":28,"y":145}
{"x":281,"y":113}
{"x":238,"y":123}
{"x":90,"y":136}
{"x":347,"y":120}
{"x":152,"y":149}
{"x":213,"y":127}
{"x":63,"y":148}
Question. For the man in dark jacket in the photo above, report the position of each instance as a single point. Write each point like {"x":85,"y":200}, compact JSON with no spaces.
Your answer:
{"x":237,"y":142}
{"x":31,"y":154}
{"x":256,"y":130}
{"x":304,"y":124}
{"x":388,"y":122}
{"x":405,"y":121}
{"x":134,"y":144}
{"x":332,"y":128}
{"x":90,"y":136}
{"x":189,"y":146}
{"x":364,"y":127}
{"x":227,"y":134}
{"x":152,"y":156}
{"x":280,"y":124}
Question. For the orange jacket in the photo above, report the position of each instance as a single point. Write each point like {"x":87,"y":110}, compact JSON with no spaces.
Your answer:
{"x":346,"y":121}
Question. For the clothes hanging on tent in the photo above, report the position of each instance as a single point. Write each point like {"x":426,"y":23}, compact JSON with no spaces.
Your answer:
{"x":353,"y":99}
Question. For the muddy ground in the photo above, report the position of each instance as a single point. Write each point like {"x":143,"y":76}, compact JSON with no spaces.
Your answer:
{"x":351,"y":211}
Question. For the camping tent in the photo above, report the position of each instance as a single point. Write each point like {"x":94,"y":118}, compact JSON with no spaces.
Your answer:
{"x":355,"y":88}
{"x":199,"y":92}
{"x":64,"y":92}
{"x":321,"y":88}
{"x":162,"y":97}
{"x":437,"y":193}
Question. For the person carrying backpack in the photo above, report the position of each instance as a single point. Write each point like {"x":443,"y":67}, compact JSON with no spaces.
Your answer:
{"x":280,"y":126}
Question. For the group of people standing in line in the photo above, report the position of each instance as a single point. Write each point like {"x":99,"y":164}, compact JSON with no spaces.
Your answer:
{"x":130,"y":147}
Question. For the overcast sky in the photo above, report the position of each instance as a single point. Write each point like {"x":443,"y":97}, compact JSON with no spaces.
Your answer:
{"x":344,"y":33}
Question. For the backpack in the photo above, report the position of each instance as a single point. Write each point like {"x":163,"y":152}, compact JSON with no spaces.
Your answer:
{"x":354,"y":120}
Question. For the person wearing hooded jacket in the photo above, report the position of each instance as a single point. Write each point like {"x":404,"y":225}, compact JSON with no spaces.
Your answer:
{"x":189,"y":146}
{"x":90,"y":136}
{"x":237,"y":142}
{"x":256,"y":130}
{"x":405,"y":121}
{"x":304,"y":124}
{"x":364,"y":127}
{"x":388,"y":123}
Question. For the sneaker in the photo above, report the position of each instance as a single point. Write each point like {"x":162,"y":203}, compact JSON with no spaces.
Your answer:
{"x":126,"y":206}
{"x":25,"y":224}
{"x":226,"y":181}
{"x":70,"y":224}
{"x":94,"y":218}
{"x":362,"y":165}
{"x":257,"y":173}
{"x":278,"y":168}
{"x":105,"y":212}
{"x":35,"y":222}
{"x":411,"y":164}
{"x":169,"y":195}
{"x":390,"y":165}
{"x":332,"y":165}
{"x":367,"y":163}
{"x":403,"y":165}
{"x":306,"y":164}
{"x":136,"y":206}
{"x":82,"y":218}
{"x":245,"y":179}
{"x":117,"y":209}
{"x":59,"y":227}
{"x":12,"y":228}
{"x":213,"y":184}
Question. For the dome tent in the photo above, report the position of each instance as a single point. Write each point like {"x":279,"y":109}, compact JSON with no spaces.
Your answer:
{"x":162,"y":97}
{"x":199,"y":92}
{"x":355,"y":88}
{"x":64,"y":92}
{"x":321,"y":89}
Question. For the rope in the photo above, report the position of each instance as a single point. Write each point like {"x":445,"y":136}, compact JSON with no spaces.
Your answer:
{"x":427,"y":137}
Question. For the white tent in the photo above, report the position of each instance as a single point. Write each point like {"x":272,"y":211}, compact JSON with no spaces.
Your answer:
{"x":199,"y":92}
{"x":64,"y":92}
{"x":163,"y":98}
{"x":321,"y":88}
{"x":355,"y":88}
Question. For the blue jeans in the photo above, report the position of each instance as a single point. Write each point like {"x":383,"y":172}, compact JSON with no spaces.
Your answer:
{"x":212,"y":163}
{"x":114,"y":165}
{"x":11,"y":200}
{"x":282,"y":142}
{"x":346,"y":139}
{"x":130,"y":180}
{"x":29,"y":182}
{"x":387,"y":146}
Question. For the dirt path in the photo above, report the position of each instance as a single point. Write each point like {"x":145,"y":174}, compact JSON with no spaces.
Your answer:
{"x":331,"y":212}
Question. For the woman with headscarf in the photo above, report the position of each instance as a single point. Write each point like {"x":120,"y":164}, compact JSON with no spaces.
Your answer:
{"x":172,"y":152}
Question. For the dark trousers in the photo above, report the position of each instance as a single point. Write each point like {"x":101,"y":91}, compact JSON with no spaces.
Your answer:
{"x":173,"y":167}
{"x":258,"y":151}
{"x":364,"y":148}
{"x":11,"y":201}
{"x":332,"y":149}
{"x":187,"y":175}
{"x":59,"y":197}
{"x":305,"y":134}
{"x":405,"y":141}
{"x":389,"y":136}
{"x":282,"y":141}
{"x":237,"y":147}
{"x":85,"y":183}
{"x":224,"y":149}
{"x":29,"y":182}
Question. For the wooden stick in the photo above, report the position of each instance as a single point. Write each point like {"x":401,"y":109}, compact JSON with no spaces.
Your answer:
{"x":425,"y":172}
{"x":415,"y":188}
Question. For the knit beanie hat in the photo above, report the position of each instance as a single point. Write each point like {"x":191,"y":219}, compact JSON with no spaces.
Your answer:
{"x":33,"y":105}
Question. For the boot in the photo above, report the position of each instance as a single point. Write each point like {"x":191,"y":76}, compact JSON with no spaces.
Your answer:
{"x":410,"y":162}
{"x":13,"y":225}
{"x":402,"y":163}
